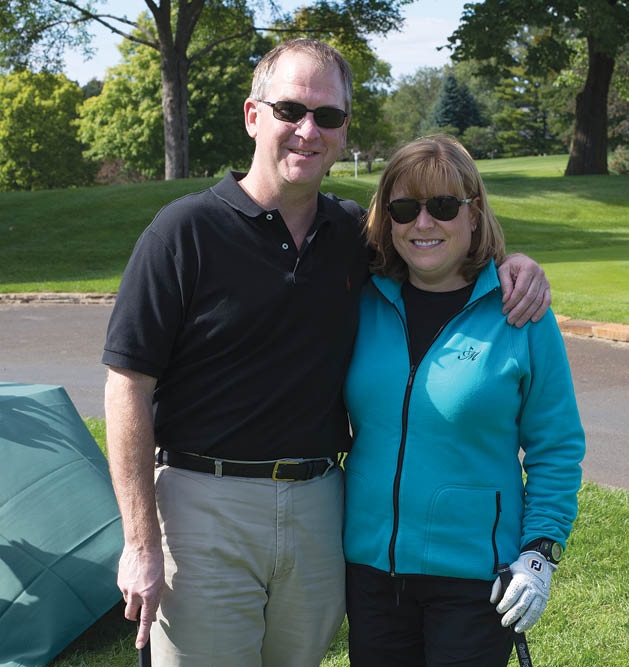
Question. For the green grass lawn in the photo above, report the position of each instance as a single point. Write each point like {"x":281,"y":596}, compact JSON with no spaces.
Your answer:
{"x":576,"y":227}
{"x":586,"y":623}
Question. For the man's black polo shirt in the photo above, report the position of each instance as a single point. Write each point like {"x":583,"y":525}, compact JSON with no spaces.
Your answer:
{"x":249,"y":338}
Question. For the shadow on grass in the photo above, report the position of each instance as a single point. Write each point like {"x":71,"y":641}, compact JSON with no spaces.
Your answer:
{"x":610,"y":190}
{"x":530,"y":236}
{"x":111,"y":633}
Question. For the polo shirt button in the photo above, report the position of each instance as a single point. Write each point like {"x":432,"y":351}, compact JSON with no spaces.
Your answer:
{"x":285,"y":246}
{"x":269,"y":216}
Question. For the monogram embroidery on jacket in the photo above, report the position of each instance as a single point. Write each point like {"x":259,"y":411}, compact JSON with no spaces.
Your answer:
{"x":470,"y":354}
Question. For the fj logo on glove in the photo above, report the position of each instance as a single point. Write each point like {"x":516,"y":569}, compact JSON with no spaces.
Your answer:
{"x":536,"y":564}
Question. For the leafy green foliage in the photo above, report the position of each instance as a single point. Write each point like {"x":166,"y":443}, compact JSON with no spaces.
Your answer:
{"x":481,"y":142}
{"x":184,"y":33}
{"x":369,"y":132}
{"x":522,"y":125}
{"x":34,"y":33}
{"x":408,"y":107}
{"x":125,"y":122}
{"x":348,"y":20}
{"x":39,"y":147}
{"x":490,"y":30}
{"x":619,"y":162}
{"x":538,"y":38}
{"x":219,"y":83}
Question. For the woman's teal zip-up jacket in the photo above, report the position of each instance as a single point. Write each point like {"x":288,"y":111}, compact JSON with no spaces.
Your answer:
{"x":434,"y":484}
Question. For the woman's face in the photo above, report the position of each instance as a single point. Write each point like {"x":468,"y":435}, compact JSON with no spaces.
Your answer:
{"x":434,"y":250}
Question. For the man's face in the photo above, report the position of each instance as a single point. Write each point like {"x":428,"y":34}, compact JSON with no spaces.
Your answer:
{"x":296,"y":153}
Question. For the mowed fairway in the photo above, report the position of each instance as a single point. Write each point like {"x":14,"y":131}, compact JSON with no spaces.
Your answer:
{"x":577,"y":228}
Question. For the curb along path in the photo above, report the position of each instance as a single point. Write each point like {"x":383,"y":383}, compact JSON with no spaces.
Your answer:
{"x":605,"y":330}
{"x":58,"y":297}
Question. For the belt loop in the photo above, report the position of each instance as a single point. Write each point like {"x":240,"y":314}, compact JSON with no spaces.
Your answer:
{"x":331,"y":465}
{"x":218,"y":468}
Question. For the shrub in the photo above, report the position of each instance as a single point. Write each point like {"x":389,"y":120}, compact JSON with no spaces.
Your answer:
{"x":619,"y":161}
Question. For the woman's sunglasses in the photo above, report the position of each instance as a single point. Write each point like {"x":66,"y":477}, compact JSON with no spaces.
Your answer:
{"x":442,"y":208}
{"x":292,"y":112}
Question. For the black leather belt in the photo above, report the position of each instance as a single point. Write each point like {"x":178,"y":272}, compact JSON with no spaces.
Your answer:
{"x":283,"y":470}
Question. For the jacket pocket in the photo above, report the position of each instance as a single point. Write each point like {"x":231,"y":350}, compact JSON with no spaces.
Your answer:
{"x":459,"y":536}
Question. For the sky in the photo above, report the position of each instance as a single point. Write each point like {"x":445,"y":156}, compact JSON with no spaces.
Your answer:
{"x":428,"y":25}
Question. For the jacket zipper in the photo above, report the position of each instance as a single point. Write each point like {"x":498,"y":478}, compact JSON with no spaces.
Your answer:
{"x":398,"y":472}
{"x":400,"y":458}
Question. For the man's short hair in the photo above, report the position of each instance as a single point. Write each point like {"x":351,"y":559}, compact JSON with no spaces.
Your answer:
{"x":320,"y":52}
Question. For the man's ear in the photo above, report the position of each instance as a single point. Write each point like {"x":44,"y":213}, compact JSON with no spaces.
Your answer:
{"x":251,"y":117}
{"x":345,"y":128}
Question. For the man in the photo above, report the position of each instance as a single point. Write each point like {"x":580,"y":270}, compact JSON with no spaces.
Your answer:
{"x":227,"y":349}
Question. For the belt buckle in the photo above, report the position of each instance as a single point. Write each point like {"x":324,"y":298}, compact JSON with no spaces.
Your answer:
{"x":274,"y":476}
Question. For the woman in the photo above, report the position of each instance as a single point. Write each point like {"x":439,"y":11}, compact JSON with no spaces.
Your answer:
{"x":442,"y":394}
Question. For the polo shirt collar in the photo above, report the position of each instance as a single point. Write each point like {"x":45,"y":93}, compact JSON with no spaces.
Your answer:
{"x":231,"y":193}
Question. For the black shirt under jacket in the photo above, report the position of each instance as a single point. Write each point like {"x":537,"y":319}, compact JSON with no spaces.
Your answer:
{"x":249,"y":338}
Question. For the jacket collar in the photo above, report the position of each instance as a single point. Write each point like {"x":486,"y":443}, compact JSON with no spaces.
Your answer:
{"x":486,"y":282}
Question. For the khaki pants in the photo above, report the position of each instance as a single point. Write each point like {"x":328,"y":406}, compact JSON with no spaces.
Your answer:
{"x":255,"y":574}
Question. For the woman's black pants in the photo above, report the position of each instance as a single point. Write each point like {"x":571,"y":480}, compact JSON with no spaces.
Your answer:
{"x":423,"y":621}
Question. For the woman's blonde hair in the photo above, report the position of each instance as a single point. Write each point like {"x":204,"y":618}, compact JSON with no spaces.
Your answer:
{"x":429,"y":167}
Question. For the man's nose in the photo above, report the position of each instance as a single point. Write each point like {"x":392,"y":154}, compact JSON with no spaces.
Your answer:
{"x":307,"y":126}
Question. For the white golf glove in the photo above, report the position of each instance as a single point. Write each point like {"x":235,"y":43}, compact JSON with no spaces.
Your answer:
{"x":527,"y":595}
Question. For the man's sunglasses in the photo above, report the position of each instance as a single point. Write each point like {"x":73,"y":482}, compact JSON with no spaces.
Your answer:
{"x":441,"y":208}
{"x":293,"y":112}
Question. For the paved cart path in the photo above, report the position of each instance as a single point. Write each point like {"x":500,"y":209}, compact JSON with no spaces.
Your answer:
{"x":62,"y":343}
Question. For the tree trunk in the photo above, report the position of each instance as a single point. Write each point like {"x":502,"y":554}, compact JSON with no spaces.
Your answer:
{"x":175,"y":107}
{"x":588,"y":147}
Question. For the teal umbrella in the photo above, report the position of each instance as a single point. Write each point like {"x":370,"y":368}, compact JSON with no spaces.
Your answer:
{"x":60,"y":529}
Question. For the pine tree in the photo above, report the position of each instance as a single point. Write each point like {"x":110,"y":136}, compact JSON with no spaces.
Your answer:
{"x":456,"y":106}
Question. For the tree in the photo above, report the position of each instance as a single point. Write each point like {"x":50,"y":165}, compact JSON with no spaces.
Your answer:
{"x":522,"y":124}
{"x":489,"y":31}
{"x":455,"y":106}
{"x":407,"y":108}
{"x":565,"y":87}
{"x":481,"y":142}
{"x":170,"y":34}
{"x":125,"y":123}
{"x":369,"y":132}
{"x":92,"y":88}
{"x":38,"y":135}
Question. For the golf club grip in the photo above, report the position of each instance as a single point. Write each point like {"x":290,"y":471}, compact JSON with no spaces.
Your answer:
{"x":519,"y":638}
{"x":144,"y":653}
